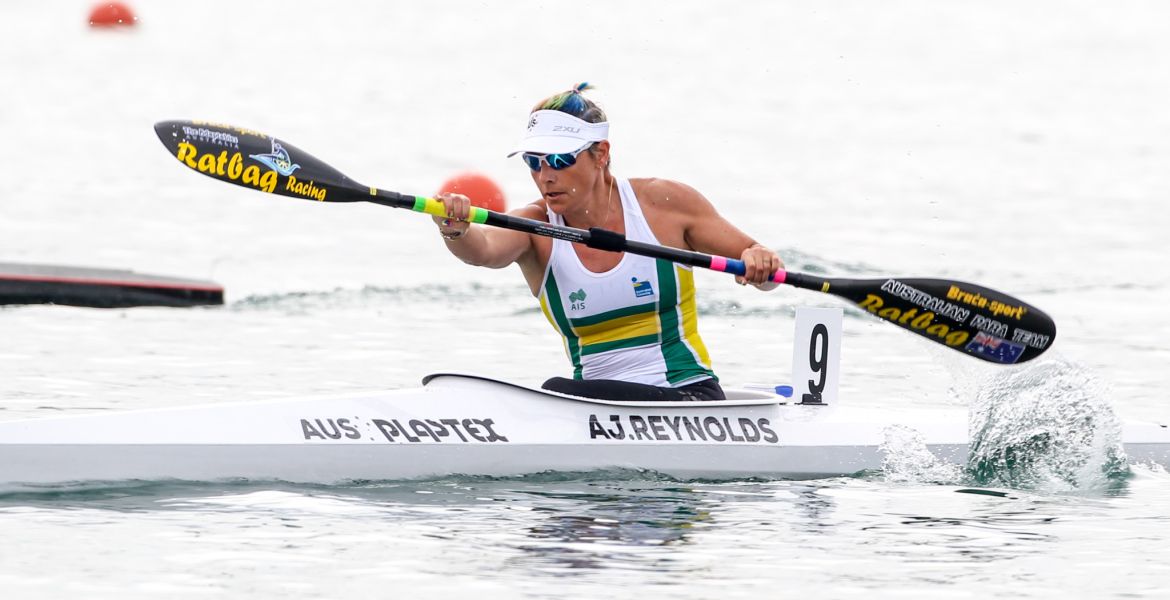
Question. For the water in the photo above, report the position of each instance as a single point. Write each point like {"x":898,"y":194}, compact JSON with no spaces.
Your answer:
{"x":1019,"y":146}
{"x":580,"y":536}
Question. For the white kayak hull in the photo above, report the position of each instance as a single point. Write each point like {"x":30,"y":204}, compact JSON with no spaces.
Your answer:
{"x":475,"y":426}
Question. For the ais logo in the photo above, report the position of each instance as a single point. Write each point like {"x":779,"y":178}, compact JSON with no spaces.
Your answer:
{"x":577,"y":300}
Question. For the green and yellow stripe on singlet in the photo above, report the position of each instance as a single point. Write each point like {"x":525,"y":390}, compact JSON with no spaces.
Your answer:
{"x":627,"y":327}
{"x":690,"y":316}
{"x":682,"y":364}
{"x":555,"y":313}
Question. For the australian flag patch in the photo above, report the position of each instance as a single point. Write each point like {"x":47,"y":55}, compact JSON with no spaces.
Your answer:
{"x":997,"y":349}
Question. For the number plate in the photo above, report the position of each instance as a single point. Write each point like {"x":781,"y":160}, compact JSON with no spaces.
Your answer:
{"x":816,"y":355}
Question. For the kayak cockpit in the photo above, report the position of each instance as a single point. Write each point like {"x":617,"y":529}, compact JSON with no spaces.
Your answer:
{"x":735,"y":396}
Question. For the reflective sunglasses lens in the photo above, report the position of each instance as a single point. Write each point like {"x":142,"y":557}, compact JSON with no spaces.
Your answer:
{"x":561,"y":161}
{"x":556,"y":162}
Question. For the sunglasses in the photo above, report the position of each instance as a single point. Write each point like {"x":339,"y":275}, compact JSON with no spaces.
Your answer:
{"x":556,"y":162}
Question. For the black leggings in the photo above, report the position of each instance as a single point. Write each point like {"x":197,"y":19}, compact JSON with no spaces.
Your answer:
{"x":609,"y":389}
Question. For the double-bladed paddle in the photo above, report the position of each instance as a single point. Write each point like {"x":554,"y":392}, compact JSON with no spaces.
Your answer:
{"x":970,"y":318}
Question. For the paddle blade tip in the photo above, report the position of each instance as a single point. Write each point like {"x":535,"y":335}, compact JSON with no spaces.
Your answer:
{"x":168,"y":133}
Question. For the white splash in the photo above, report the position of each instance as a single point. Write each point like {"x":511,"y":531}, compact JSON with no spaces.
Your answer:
{"x":1048,"y":426}
{"x":906,"y":459}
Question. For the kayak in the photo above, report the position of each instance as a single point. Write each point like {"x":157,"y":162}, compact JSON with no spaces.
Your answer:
{"x":101,"y":288}
{"x":469,"y":425}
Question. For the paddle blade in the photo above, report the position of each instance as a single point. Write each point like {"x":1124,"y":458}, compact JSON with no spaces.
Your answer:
{"x":253,"y":160}
{"x":979,"y":321}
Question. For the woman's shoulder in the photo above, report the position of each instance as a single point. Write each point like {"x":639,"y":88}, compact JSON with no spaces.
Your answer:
{"x":667,"y":194}
{"x":537,"y":209}
{"x":658,"y":185}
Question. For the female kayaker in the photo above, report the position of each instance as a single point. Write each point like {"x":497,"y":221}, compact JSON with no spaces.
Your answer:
{"x":628,"y":321}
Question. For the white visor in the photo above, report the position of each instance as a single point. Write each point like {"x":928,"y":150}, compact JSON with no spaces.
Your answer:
{"x":554,"y":132}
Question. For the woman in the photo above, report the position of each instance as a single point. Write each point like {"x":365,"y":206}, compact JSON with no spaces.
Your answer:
{"x":628,"y":321}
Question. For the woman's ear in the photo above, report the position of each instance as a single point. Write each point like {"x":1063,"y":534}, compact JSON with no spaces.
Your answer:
{"x":602,"y":154}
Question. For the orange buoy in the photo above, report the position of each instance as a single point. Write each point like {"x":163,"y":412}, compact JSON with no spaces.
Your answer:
{"x":112,"y":14}
{"x":482,"y":191}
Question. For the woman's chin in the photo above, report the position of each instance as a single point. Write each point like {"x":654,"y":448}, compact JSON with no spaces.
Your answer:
{"x":557,"y":202}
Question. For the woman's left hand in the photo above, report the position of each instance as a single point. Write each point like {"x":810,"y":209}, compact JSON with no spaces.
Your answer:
{"x":760,"y":264}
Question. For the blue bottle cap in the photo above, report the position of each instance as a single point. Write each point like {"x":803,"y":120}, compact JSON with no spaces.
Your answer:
{"x":784,"y":390}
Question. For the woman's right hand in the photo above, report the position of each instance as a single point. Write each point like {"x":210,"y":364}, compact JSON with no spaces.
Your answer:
{"x":454,"y":225}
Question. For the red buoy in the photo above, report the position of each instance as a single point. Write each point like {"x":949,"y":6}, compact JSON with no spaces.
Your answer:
{"x":112,"y":14}
{"x":482,"y":191}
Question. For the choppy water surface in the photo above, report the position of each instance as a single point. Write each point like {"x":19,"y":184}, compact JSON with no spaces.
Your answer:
{"x":578,"y":534}
{"x":1022,"y":147}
